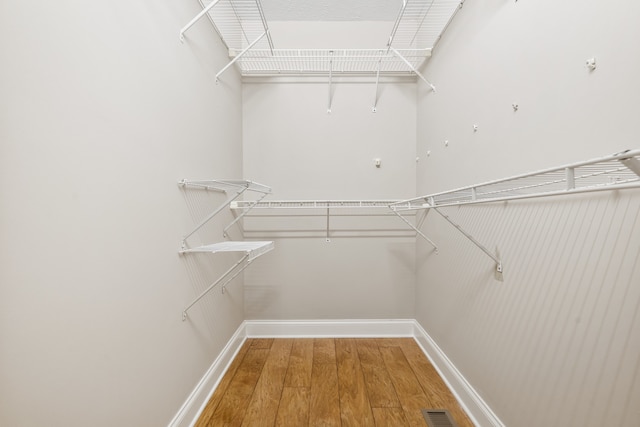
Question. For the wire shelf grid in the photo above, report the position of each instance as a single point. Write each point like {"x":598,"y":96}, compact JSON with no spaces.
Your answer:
{"x":244,"y":30}
{"x":621,"y":170}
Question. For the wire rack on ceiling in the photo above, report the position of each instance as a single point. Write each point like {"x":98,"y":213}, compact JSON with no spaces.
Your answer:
{"x":243,"y":28}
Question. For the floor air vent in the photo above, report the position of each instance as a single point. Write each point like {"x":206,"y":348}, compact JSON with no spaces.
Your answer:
{"x":438,"y":418}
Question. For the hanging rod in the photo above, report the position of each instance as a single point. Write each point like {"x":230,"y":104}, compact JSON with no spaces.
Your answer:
{"x":327,"y":207}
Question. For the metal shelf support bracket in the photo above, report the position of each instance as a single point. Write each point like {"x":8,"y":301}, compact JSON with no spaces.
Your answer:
{"x":412,"y":68}
{"x":375,"y":98}
{"x":197,"y":18}
{"x":420,"y":233}
{"x":238,"y":56}
{"x":214,"y":284}
{"x":242,"y":214}
{"x":495,"y":258}
{"x":330,"y":78}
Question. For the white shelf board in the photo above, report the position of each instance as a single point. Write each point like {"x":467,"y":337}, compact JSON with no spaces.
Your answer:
{"x":254,"y":249}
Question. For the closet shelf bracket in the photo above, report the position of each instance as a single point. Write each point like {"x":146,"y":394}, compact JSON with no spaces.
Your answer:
{"x":375,"y":98}
{"x":416,"y":229}
{"x":474,"y":241}
{"x":250,"y":206}
{"x":197,"y":18}
{"x":252,"y":250}
{"x":240,"y":55}
{"x":412,"y":68}
{"x":222,"y":186}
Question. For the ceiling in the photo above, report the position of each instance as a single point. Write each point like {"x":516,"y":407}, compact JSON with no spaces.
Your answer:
{"x":331,"y":10}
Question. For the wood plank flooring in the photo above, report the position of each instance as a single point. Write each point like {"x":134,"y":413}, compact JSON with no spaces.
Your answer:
{"x":329,"y":382}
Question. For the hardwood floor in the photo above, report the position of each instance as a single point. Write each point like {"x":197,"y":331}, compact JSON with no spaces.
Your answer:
{"x":329,"y":382}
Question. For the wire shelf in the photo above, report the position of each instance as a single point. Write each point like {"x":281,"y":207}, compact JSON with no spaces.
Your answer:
{"x":618,"y":171}
{"x":253,"y":248}
{"x":313,"y":204}
{"x":421,"y":23}
{"x":242,"y":26}
{"x":239,"y":23}
{"x":322,"y":61}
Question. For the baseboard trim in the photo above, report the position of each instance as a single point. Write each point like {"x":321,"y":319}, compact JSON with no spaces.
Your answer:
{"x":475,"y":407}
{"x":329,"y":328}
{"x":479,"y":412}
{"x":199,"y":397}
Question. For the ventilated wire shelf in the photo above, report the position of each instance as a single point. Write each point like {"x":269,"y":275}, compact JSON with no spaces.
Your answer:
{"x":239,"y":23}
{"x":617,"y":171}
{"x":420,"y":23}
{"x":323,"y":61}
{"x":328,"y":218}
{"x":243,"y":28}
{"x":254,"y":248}
{"x":313,"y":204}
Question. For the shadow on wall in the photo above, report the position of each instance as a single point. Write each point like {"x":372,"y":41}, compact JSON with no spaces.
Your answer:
{"x":563,"y":328}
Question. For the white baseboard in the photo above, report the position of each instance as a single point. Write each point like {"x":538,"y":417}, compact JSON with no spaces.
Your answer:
{"x":476,"y":408}
{"x":329,"y":328}
{"x":199,"y":397}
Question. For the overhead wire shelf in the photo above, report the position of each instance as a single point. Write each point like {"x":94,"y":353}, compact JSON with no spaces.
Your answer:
{"x":322,"y":61}
{"x":421,"y":23}
{"x":243,"y":28}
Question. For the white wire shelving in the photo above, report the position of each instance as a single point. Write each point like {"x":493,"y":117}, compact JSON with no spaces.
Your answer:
{"x":618,"y":171}
{"x":243,"y":28}
{"x":250,"y":249}
{"x":330,"y":211}
{"x":238,"y":187}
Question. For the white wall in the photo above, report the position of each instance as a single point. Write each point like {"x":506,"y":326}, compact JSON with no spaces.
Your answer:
{"x":102,"y":111}
{"x":558,"y":342}
{"x":293,"y":145}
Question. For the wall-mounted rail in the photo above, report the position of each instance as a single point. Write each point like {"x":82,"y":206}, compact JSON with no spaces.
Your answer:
{"x":615,"y":172}
{"x":251,"y":250}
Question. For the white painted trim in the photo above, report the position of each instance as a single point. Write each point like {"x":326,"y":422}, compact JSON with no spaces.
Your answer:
{"x":199,"y":397}
{"x":469,"y":399}
{"x":330,"y":328}
{"x":475,"y":407}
